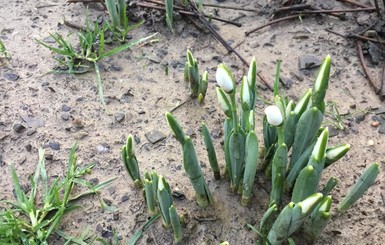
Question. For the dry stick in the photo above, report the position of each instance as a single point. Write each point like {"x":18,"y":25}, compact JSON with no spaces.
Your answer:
{"x":292,"y":7}
{"x":228,"y":47}
{"x":189,"y":13}
{"x":382,"y":92}
{"x":354,"y":3}
{"x":182,"y":10}
{"x":364,"y":67}
{"x":271,"y":23}
{"x":335,"y":11}
{"x":229,"y":7}
{"x":368,"y":39}
{"x":377,"y":7}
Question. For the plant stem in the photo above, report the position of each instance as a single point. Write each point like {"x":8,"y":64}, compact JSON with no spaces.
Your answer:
{"x":281,"y":135}
{"x":234,"y":112}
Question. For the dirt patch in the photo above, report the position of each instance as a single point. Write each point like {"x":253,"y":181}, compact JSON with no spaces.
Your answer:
{"x":53,"y":111}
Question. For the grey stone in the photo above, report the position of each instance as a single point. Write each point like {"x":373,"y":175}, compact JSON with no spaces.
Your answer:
{"x":124,"y":198}
{"x":65,"y":116}
{"x":155,"y":136}
{"x":33,"y":122}
{"x":360,"y":117}
{"x":54,"y":145}
{"x":28,"y":147}
{"x":11,"y":76}
{"x":65,"y":108}
{"x":103,"y":148}
{"x":18,"y":127}
{"x":119,"y":116}
{"x":308,"y":61}
{"x":375,"y":53}
{"x":381,"y":129}
{"x":31,"y":132}
{"x":333,"y":131}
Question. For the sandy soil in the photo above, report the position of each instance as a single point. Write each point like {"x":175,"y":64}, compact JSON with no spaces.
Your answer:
{"x":136,"y":86}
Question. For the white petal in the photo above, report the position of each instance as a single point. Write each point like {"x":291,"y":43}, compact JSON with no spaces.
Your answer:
{"x":224,"y":79}
{"x":273,"y":114}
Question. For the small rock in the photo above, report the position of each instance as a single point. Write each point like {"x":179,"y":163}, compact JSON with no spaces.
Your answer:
{"x":115,"y":216}
{"x":107,"y":201}
{"x":155,"y":136}
{"x":380,"y":110}
{"x":111,"y":190}
{"x":381,"y":129}
{"x":333,"y":131}
{"x":137,"y":139}
{"x":107,"y":233}
{"x":11,"y":76}
{"x":94,"y":181}
{"x":49,"y":39}
{"x":18,"y":128}
{"x":287,"y":82}
{"x":65,"y":108}
{"x":177,"y":194}
{"x":119,"y":116}
{"x":31,"y":132}
{"x":124,"y":198}
{"x":360,"y":117}
{"x":28,"y":147}
{"x":375,"y":124}
{"x":370,"y":142}
{"x":21,"y":160}
{"x":375,"y":53}
{"x":103,"y":148}
{"x":78,"y":123}
{"x":33,"y":122}
{"x":308,"y":62}
{"x":54,"y":145}
{"x":48,"y":156}
{"x":65,"y":116}
{"x":141,"y":112}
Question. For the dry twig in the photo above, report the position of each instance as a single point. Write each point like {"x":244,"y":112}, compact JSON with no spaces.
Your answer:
{"x":365,"y":68}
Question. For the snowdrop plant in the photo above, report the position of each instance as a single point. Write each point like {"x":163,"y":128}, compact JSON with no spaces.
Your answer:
{"x":298,"y":126}
{"x":198,"y":84}
{"x":241,"y":142}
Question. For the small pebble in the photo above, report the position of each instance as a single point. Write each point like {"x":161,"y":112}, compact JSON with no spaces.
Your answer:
{"x":65,"y":116}
{"x":18,"y":128}
{"x":375,"y":124}
{"x":119,"y":116}
{"x":65,"y":108}
{"x":370,"y":142}
{"x":124,"y":198}
{"x":31,"y":132}
{"x":11,"y":76}
{"x":54,"y":145}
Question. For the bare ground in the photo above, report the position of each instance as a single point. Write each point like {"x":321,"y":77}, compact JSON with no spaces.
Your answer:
{"x":135,"y":84}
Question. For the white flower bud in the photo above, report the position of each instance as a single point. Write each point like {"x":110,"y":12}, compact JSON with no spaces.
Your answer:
{"x":225,"y":79}
{"x":274,"y":116}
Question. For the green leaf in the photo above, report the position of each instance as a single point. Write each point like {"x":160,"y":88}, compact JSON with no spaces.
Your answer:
{"x":357,"y":191}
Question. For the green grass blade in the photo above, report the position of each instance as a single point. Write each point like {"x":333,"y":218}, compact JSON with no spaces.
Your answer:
{"x":169,"y":13}
{"x":100,"y":87}
{"x":125,"y":46}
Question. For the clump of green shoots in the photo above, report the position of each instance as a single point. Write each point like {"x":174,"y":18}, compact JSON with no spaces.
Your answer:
{"x":241,"y":142}
{"x":191,"y":163}
{"x":298,"y":126}
{"x":118,"y":23}
{"x":198,"y":84}
{"x":92,"y":44}
{"x":157,"y":191}
{"x":3,"y":51}
{"x":130,"y":161}
{"x":33,"y":218}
